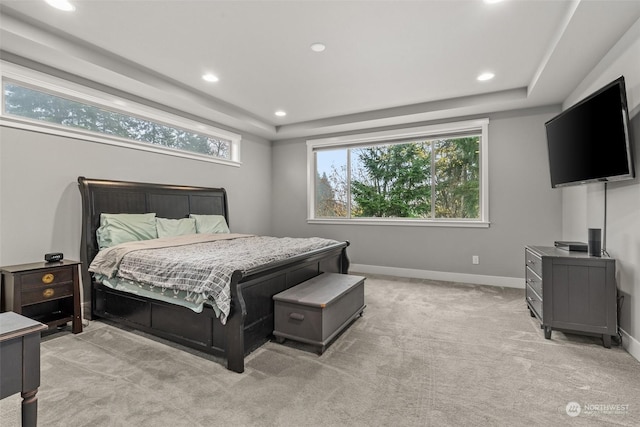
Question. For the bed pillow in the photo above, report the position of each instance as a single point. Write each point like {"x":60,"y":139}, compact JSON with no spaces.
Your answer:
{"x":175,"y":227}
{"x":120,"y":228}
{"x":210,"y":223}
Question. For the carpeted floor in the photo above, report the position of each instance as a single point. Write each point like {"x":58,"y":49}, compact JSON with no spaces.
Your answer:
{"x":425,"y":353}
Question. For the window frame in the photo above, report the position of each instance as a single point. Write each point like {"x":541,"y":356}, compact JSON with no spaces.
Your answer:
{"x":453,"y":129}
{"x":32,"y":79}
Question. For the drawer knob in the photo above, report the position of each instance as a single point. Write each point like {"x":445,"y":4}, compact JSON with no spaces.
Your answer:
{"x":47,"y":278}
{"x":296,"y":316}
{"x":48,"y":293}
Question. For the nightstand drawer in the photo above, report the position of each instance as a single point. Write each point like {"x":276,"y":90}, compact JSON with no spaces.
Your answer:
{"x":46,"y":293}
{"x":47,"y":278}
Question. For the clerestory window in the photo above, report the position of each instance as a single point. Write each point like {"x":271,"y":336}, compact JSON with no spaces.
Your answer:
{"x":108,"y":120}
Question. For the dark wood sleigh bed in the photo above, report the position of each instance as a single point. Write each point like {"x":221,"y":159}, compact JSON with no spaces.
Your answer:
{"x":250,"y":322}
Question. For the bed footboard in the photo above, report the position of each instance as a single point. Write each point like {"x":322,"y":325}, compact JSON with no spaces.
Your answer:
{"x":250,"y":323}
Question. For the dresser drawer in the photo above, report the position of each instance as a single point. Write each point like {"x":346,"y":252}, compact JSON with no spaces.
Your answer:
{"x":534,"y":302}
{"x":534,"y":262}
{"x":47,"y":278}
{"x":46,"y":293}
{"x":534,"y":281}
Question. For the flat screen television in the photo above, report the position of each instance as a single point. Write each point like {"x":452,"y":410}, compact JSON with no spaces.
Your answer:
{"x":590,"y":142}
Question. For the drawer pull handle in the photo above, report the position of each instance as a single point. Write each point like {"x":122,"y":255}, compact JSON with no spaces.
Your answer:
{"x":47,"y":278}
{"x":296,"y":316}
{"x":48,"y":293}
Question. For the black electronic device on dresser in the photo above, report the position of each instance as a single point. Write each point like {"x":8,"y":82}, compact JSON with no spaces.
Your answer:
{"x":48,"y":292}
{"x":571,"y":246}
{"x":571,"y":291}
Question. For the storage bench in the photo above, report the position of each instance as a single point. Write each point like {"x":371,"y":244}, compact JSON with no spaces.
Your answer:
{"x":317,"y":310}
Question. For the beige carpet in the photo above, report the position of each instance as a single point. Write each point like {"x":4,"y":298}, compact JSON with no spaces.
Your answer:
{"x":425,"y":353}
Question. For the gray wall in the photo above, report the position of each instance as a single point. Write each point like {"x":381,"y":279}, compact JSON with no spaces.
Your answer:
{"x":41,"y":209}
{"x":523,"y":209}
{"x":583,"y":206}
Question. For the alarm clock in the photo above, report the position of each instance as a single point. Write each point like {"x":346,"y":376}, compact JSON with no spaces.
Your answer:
{"x":53,"y":257}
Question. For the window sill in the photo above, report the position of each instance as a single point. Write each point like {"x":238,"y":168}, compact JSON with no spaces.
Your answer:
{"x":59,"y":130}
{"x":400,"y":222}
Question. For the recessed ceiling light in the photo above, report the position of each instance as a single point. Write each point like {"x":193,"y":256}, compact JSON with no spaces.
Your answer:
{"x":280,"y":113}
{"x":62,"y":5}
{"x":318,"y":47}
{"x":485,"y":76}
{"x":210,"y":77}
{"x":492,"y":1}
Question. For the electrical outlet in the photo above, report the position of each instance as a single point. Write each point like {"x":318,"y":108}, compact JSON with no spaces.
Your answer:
{"x":475,"y":259}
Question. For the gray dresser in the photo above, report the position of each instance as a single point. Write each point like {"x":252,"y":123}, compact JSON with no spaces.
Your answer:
{"x":571,"y":291}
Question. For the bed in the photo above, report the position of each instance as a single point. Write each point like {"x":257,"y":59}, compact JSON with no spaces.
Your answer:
{"x":249,"y":323}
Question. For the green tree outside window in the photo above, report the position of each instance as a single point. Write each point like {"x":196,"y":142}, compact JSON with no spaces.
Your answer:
{"x":422,"y":179}
{"x":33,"y":104}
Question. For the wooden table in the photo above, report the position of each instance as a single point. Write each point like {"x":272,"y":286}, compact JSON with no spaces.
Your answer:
{"x":20,"y":362}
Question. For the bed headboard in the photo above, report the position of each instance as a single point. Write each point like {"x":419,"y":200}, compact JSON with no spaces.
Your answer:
{"x":167,"y":201}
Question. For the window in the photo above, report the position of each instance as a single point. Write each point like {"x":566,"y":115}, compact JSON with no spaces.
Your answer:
{"x":420,"y":176}
{"x":114,"y":121}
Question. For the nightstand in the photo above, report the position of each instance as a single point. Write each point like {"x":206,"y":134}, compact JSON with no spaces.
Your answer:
{"x":46,"y":292}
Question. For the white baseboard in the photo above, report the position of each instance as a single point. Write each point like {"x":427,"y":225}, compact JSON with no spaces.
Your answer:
{"x":507,"y":282}
{"x":630,"y":344}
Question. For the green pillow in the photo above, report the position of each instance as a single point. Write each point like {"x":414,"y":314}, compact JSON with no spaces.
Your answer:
{"x":120,"y":228}
{"x":175,"y":227}
{"x":210,"y":223}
